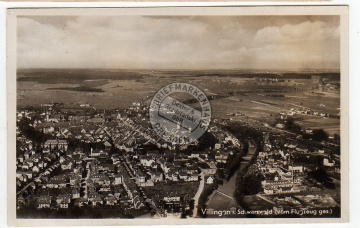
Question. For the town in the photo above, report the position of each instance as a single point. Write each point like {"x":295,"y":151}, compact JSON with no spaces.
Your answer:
{"x":83,"y":163}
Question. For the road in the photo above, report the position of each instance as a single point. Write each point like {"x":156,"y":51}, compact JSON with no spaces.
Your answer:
{"x":198,"y":193}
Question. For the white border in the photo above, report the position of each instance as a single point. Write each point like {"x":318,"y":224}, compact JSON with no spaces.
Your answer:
{"x":354,"y":53}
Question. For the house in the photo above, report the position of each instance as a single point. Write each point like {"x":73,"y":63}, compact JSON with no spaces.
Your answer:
{"x":91,"y":188}
{"x":63,"y":200}
{"x":57,"y":182}
{"x":104,"y":181}
{"x":52,"y":144}
{"x":287,"y":190}
{"x":55,"y":143}
{"x":148,"y":183}
{"x":20,"y":175}
{"x":146,"y":160}
{"x":156,"y":176}
{"x":153,"y":153}
{"x":36,"y":158}
{"x":118,"y":179}
{"x":44,"y":202}
{"x":183,"y":175}
{"x":62,"y":144}
{"x":193,"y":177}
{"x":29,"y":174}
{"x":21,"y":158}
{"x":173,"y":197}
{"x":105,"y":189}
{"x":268,"y":191}
{"x":212,"y":164}
{"x":165,"y":166}
{"x":35,"y":169}
{"x":180,"y":157}
{"x":328,"y":162}
{"x":106,"y":167}
{"x":118,"y":191}
{"x":96,"y":152}
{"x":97,"y":201}
{"x":191,"y":169}
{"x":78,"y":169}
{"x":210,"y":180}
{"x":48,"y":129}
{"x":75,"y":193}
{"x":194,"y":154}
{"x":80,"y":202}
{"x":173,"y":176}
{"x":21,"y":201}
{"x":221,"y":156}
{"x":67,"y":165}
{"x":41,"y":164}
{"x":27,"y":155}
{"x":62,"y":159}
{"x":217,"y":146}
{"x":107,"y":145}
{"x":29,"y":162}
{"x":74,"y":179}
{"x":296,"y":168}
{"x":110,"y":200}
{"x":140,"y":176}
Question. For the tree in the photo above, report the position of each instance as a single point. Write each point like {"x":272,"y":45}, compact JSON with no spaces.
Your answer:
{"x":220,"y":174}
{"x":320,"y":175}
{"x":292,"y":126}
{"x":320,"y":135}
{"x":252,"y":182}
{"x":30,"y":132}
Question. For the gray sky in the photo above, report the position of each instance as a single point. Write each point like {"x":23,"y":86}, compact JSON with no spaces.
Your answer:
{"x":174,"y":42}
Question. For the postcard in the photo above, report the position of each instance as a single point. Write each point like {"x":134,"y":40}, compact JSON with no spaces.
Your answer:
{"x":177,"y":115}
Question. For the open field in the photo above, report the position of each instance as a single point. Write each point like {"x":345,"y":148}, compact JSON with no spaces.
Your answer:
{"x":231,"y":91}
{"x":330,"y":125}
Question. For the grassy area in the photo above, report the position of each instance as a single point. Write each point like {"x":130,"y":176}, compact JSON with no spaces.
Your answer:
{"x":128,"y":86}
{"x":79,"y":89}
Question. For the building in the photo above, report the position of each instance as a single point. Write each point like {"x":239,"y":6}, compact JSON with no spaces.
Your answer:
{"x":44,"y":202}
{"x":210,"y":180}
{"x":296,"y":168}
{"x":56,"y":144}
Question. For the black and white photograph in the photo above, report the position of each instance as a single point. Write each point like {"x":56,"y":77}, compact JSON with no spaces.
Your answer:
{"x":191,"y":114}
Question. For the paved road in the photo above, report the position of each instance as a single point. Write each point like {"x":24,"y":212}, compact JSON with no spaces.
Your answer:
{"x":198,"y":193}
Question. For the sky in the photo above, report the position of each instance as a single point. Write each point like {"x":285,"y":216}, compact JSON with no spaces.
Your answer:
{"x":179,"y":42}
